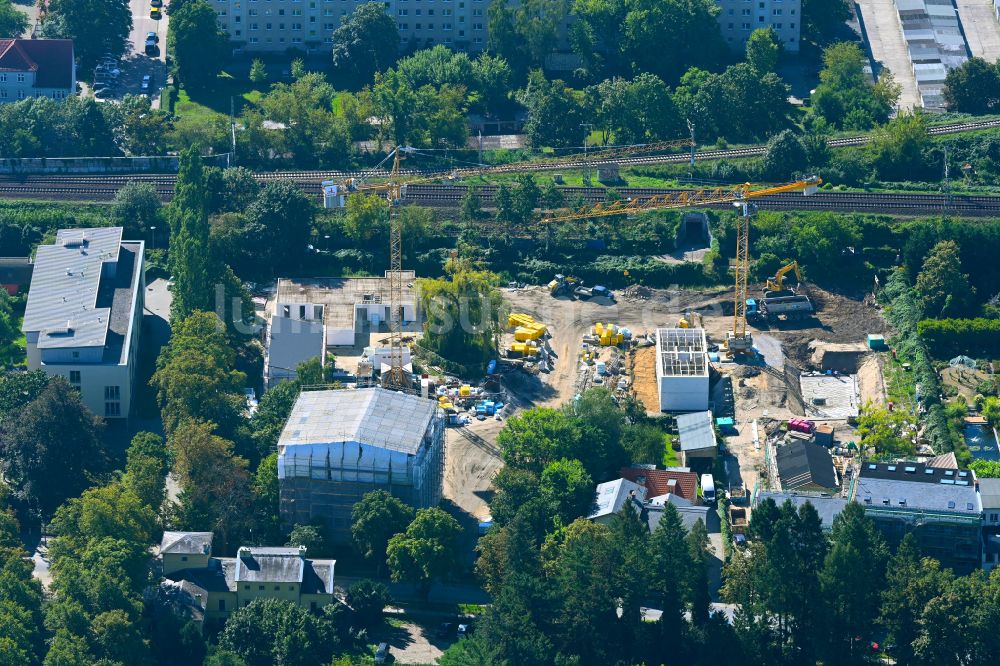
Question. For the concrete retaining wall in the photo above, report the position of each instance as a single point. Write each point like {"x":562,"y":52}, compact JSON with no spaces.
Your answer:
{"x":82,"y":165}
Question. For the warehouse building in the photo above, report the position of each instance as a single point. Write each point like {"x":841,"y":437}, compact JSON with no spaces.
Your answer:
{"x":941,"y":507}
{"x":682,"y":369}
{"x":338,"y":445}
{"x":349,"y":308}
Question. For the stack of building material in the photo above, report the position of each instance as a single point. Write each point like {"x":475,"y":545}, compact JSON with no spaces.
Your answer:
{"x":525,"y":327}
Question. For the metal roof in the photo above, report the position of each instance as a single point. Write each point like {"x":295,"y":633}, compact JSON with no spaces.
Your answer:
{"x":989,"y":492}
{"x":827,"y":506}
{"x":270,"y":565}
{"x":910,"y":486}
{"x":62,"y":301}
{"x":611,"y":495}
{"x":293,"y":341}
{"x":802,"y":463}
{"x":186,"y":543}
{"x":370,"y":416}
{"x":695,"y":431}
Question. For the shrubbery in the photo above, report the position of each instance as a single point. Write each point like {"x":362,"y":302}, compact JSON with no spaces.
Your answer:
{"x":947,"y":337}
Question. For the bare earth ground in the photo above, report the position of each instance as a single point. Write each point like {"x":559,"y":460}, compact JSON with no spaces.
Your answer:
{"x":471,"y":462}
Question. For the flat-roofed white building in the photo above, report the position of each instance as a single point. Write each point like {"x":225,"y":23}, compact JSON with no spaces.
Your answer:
{"x":348,"y":307}
{"x":682,"y":369}
{"x":84,"y":315}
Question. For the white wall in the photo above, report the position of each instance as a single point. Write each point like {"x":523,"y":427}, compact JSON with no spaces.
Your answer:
{"x":683,"y":394}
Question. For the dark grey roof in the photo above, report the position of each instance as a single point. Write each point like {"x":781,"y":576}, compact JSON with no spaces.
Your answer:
{"x":318,"y":577}
{"x":210,"y":579}
{"x":15,"y":270}
{"x":908,"y":486}
{"x":370,"y":416}
{"x":270,"y":565}
{"x":611,"y":495}
{"x":186,"y":543}
{"x":695,"y":431}
{"x":293,"y":341}
{"x":827,"y":506}
{"x":989,"y":492}
{"x":690,"y":513}
{"x":803,"y":463}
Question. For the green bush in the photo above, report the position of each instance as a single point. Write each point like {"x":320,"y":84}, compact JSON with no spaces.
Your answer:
{"x":949,"y":337}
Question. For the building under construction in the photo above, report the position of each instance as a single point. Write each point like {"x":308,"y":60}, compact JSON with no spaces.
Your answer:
{"x":682,"y":369}
{"x":338,"y":445}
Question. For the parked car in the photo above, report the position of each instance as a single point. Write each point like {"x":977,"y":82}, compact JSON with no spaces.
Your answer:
{"x":155,"y":13}
{"x":152,"y":36}
{"x":147,"y":82}
{"x":381,"y":653}
{"x":151,"y":48}
{"x":156,"y":3}
{"x":465,"y":630}
{"x":111,"y":71}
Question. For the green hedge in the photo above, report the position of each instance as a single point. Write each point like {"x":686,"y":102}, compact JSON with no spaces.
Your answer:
{"x":611,"y":272}
{"x":950,"y":337}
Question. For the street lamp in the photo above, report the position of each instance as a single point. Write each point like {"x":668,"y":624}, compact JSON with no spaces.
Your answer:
{"x":153,"y":230}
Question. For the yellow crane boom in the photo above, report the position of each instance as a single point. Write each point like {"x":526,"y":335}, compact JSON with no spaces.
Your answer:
{"x":685,"y":199}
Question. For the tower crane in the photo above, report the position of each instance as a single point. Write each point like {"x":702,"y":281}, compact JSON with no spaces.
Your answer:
{"x":738,"y":340}
{"x":394,"y":190}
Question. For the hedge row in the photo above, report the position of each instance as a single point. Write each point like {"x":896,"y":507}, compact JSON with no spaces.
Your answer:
{"x":615,"y":272}
{"x":949,"y":337}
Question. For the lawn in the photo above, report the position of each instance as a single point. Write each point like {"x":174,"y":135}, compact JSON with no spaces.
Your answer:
{"x":670,"y":457}
{"x":227,"y":93}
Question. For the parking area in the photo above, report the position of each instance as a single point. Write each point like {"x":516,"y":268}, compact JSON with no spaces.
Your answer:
{"x":136,"y":64}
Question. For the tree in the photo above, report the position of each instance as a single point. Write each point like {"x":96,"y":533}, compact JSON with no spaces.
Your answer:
{"x":851,"y":583}
{"x":884,"y":431}
{"x":195,"y":378}
{"x":897,"y":146}
{"x":215,"y":484}
{"x":142,"y":130}
{"x":973,"y":87}
{"x":368,"y":598}
{"x":95,"y":26}
{"x":366,"y":42}
{"x":197,"y":43}
{"x":189,"y":252}
{"x":298,"y":69}
{"x":311,"y":537}
{"x":426,"y":551}
{"x":17,"y":389}
{"x":634,"y":111}
{"x":823,"y":20}
{"x":275,"y":229}
{"x":697,"y":582}
{"x":689,"y":26}
{"x":601,"y":422}
{"x":269,"y":419}
{"x":465,"y":312}
{"x":258,"y":73}
{"x":763,"y":50}
{"x":911,"y":584}
{"x":366,"y":217}
{"x":554,"y":113}
{"x":537,"y":437}
{"x":13,"y":22}
{"x":844,"y":97}
{"x":375,"y":520}
{"x":567,"y":487}
{"x":48,"y":453}
{"x":671,"y":571}
{"x":21,"y":638}
{"x":491,"y":76}
{"x":524,"y":33}
{"x":146,"y":469}
{"x":311,"y":132}
{"x":275,"y":631}
{"x":644,"y":444}
{"x":785,"y":156}
{"x":943,"y":289}
{"x":136,"y":207}
{"x":8,"y":330}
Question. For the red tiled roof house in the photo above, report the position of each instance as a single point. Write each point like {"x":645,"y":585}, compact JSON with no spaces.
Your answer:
{"x":36,"y":68}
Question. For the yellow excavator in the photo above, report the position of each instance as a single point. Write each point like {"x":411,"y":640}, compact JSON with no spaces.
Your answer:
{"x":776,"y":285}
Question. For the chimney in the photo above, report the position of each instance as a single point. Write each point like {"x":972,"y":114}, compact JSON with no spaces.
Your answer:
{"x":302,"y":551}
{"x":244,"y":553}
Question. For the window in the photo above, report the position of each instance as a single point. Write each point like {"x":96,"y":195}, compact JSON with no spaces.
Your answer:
{"x":112,"y":401}
{"x":291,"y":588}
{"x":260,"y":587}
{"x":3,"y":77}
{"x":281,"y":12}
{"x":222,"y":604}
{"x":777,"y":12}
{"x":20,"y":78}
{"x":246,"y":588}
{"x":20,"y":94}
{"x":253,"y":40}
{"x":184,"y":558}
{"x":277,"y":588}
{"x":253,"y":26}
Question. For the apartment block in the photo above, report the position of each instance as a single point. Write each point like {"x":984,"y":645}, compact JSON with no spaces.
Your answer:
{"x":739,"y":18}
{"x":83,"y":317}
{"x":275,"y":26}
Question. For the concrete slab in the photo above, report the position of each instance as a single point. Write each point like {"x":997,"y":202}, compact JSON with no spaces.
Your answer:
{"x":885,"y":38}
{"x":982,"y":31}
{"x":838,"y":394}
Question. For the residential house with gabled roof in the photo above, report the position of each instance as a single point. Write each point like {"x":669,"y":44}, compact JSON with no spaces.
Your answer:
{"x":681,"y":482}
{"x":220,"y":585}
{"x":185,"y":550}
{"x":36,"y":68}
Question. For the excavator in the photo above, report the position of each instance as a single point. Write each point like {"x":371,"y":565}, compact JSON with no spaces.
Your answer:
{"x":776,"y":286}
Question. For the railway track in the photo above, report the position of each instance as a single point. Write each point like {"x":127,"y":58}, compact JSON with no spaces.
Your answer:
{"x":449,"y":196}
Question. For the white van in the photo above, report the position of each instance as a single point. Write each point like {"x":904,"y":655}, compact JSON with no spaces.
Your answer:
{"x":707,"y":488}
